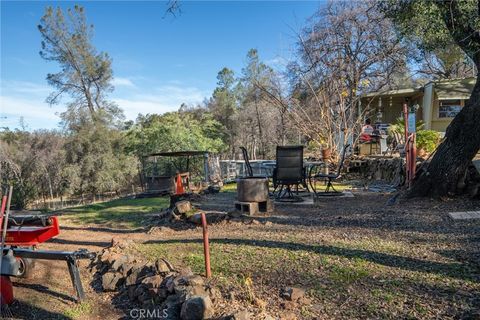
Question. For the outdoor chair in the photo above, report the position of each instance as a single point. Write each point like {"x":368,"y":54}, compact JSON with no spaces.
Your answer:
{"x":289,"y":172}
{"x":398,"y":143}
{"x":329,"y":177}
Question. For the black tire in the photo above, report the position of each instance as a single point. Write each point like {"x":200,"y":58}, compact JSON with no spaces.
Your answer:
{"x":26,"y":267}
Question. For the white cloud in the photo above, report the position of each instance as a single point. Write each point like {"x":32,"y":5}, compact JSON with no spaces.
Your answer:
{"x":162,"y":99}
{"x":12,"y":87}
{"x":277,"y":62}
{"x":119,"y":81}
{"x":35,"y":113}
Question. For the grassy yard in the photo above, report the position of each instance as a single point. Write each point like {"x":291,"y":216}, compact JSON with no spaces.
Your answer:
{"x":121,"y":213}
{"x":356,"y":257}
{"x":353,"y":273}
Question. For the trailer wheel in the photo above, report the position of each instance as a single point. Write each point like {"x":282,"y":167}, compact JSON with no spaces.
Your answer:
{"x":25,"y":269}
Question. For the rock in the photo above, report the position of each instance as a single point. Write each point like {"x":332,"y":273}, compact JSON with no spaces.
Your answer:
{"x":169,"y":284}
{"x":163,"y":266}
{"x":132,"y":278}
{"x":144,"y":298}
{"x":212,"y":217}
{"x":268,"y":223}
{"x":119,"y":261}
{"x":120,"y":243}
{"x":153,"y":281}
{"x":241,"y":315}
{"x":111,"y":257}
{"x":197,"y":291}
{"x":292,"y":293}
{"x":195,"y":280}
{"x":260,"y":303}
{"x":172,"y":306}
{"x":288,"y":305}
{"x":182,"y":207}
{"x":268,"y":317}
{"x":138,"y":272}
{"x":125,"y":268}
{"x":111,"y":281}
{"x":197,"y":308}
{"x":288,"y":316}
{"x":131,"y":292}
{"x":255,"y":222}
{"x":139,"y":290}
{"x":186,"y":272}
{"x":196,"y":218}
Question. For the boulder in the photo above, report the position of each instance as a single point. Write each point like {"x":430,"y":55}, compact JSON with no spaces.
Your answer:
{"x":182,"y":207}
{"x":120,"y":243}
{"x":197,"y":308}
{"x":288,"y":316}
{"x":196,"y":218}
{"x":162,"y":266}
{"x":137,"y":273}
{"x":111,"y":281}
{"x":119,"y":261}
{"x":195,"y":280}
{"x":212,"y":217}
{"x":153,"y":281}
{"x":292,"y":293}
{"x":241,"y":315}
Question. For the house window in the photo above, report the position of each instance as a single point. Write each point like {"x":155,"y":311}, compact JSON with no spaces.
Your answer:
{"x":449,"y":108}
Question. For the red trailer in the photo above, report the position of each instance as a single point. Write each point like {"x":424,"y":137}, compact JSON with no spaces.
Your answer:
{"x":23,"y":233}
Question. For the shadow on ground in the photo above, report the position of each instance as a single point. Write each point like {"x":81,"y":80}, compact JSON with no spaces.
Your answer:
{"x":453,"y":270}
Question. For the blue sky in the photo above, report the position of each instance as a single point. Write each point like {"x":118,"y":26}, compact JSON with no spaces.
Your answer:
{"x":158,"y":61}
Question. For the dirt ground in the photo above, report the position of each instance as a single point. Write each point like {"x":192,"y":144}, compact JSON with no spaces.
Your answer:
{"x":356,"y":257}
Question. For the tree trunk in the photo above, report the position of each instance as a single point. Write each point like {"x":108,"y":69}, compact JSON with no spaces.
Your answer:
{"x":461,"y":144}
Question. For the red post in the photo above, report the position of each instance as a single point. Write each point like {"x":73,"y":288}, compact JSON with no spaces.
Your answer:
{"x":413,"y":159}
{"x":206,"y":249}
{"x":2,"y":210}
{"x":407,"y":146}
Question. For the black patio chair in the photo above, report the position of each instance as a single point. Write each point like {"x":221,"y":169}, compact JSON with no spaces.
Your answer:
{"x":329,"y":177}
{"x":288,"y":172}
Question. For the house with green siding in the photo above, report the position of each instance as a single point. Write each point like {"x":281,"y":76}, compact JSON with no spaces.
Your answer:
{"x":438,"y":102}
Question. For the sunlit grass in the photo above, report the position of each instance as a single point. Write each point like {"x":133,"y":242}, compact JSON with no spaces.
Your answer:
{"x":122,"y":213}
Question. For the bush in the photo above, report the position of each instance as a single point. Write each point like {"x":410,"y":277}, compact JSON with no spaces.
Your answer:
{"x":427,"y":140}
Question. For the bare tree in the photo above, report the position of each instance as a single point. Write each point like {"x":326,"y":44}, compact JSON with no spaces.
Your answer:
{"x":348,"y":48}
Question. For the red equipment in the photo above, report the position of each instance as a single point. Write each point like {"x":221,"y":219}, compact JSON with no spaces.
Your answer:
{"x":21,"y":234}
{"x":6,"y":290}
{"x":28,"y":231}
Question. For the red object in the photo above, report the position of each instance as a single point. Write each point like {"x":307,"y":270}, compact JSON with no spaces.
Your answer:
{"x":27,"y":236}
{"x":179,"y":189}
{"x":2,"y":210}
{"x":410,"y":150}
{"x":206,"y":249}
{"x":6,"y":290}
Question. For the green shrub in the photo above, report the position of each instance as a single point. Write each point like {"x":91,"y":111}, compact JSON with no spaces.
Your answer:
{"x":399,"y":125}
{"x":427,"y":140}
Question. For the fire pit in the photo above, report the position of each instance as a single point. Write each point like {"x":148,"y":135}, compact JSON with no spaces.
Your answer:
{"x":252,"y":192}
{"x":252,"y":189}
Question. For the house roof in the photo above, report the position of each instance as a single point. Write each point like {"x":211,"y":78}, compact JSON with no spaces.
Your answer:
{"x":445,"y":89}
{"x":399,"y":92}
{"x":454,"y":89}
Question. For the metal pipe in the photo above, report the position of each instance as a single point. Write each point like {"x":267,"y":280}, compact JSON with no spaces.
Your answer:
{"x":2,"y":210}
{"x":5,"y":217}
{"x":206,"y":249}
{"x":4,"y":224}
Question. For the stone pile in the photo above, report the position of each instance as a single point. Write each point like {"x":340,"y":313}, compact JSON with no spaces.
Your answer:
{"x":391,"y":170}
{"x":179,"y":294}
